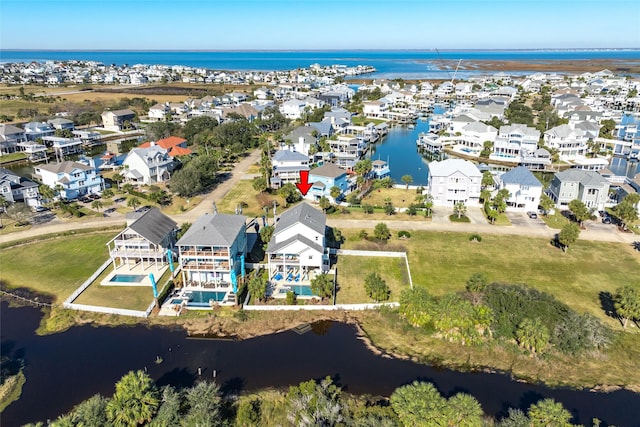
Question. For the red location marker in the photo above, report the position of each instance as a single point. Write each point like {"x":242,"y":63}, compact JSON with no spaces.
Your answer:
{"x":304,"y":185}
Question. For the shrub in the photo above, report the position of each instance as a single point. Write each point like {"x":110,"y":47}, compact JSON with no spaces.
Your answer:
{"x":291,"y":298}
{"x":376,"y":287}
{"x":475,"y":237}
{"x":404,"y":234}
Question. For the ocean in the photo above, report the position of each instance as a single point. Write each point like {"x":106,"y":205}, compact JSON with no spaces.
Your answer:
{"x":406,"y":64}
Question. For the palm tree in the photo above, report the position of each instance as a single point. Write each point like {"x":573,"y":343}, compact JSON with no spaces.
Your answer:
{"x":532,"y":335}
{"x":134,"y":402}
{"x":465,"y":411}
{"x":324,"y":203}
{"x":47,"y":193}
{"x":118,"y":178}
{"x":133,"y":203}
{"x":549,"y":413}
{"x":97,"y":205}
{"x":460,"y":209}
{"x":335,"y":192}
{"x":407,"y":179}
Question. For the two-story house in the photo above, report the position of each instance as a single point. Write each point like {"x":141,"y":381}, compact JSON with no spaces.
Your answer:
{"x":587,"y":186}
{"x":286,"y":167}
{"x":117,"y":120}
{"x":524,"y":189}
{"x":35,"y":130}
{"x":73,"y":179}
{"x":15,"y":188}
{"x":454,"y":180}
{"x":514,"y":142}
{"x":212,"y":253}
{"x":568,"y":141}
{"x":143,"y":243}
{"x":324,"y":178}
{"x":297,"y":251}
{"x":10,"y":137}
{"x":148,"y":165}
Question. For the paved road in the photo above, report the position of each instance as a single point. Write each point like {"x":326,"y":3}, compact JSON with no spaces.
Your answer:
{"x":522,"y":225}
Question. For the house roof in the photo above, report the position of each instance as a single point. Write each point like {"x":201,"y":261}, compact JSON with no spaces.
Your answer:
{"x":214,"y":229}
{"x":65,"y":167}
{"x":523,"y":129}
{"x":586,"y":178}
{"x":521,"y":176}
{"x":149,"y":154}
{"x":289,"y":156}
{"x":153,"y":225}
{"x":450,"y":166}
{"x":179,"y":151}
{"x":328,"y":170}
{"x":60,"y":121}
{"x":277,"y":247}
{"x":121,"y":113}
{"x":6,"y":129}
{"x":303,"y":214}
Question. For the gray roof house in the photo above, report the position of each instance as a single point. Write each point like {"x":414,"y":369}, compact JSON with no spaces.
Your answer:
{"x":10,"y":137}
{"x":286,"y":167}
{"x":524,"y":189}
{"x":144,"y":241}
{"x":587,"y":186}
{"x":212,"y":253}
{"x":15,"y":188}
{"x":296,"y":252}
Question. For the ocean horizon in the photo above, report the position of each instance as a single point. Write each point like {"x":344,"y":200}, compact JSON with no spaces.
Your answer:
{"x":389,"y":63}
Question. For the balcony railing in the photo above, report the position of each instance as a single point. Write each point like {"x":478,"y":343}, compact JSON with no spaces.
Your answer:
{"x":208,"y":266}
{"x":205,"y":253}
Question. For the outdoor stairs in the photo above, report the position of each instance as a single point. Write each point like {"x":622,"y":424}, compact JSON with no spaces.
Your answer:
{"x":231,"y":298}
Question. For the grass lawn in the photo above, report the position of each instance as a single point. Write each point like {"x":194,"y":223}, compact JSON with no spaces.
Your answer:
{"x":10,"y":107}
{"x":502,"y":219}
{"x":400,"y":198}
{"x":362,"y":121}
{"x":244,"y":193}
{"x":353,"y":269}
{"x":7,"y":158}
{"x":54,"y":267}
{"x":557,"y":220}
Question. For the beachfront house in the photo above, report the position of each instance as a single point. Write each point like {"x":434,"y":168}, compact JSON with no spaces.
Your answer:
{"x":454,"y":180}
{"x":524,"y":189}
{"x":73,"y":179}
{"x":144,"y":243}
{"x":148,"y":165}
{"x":212,"y":254}
{"x":297,"y":251}
{"x":325,"y":177}
{"x":587,"y":186}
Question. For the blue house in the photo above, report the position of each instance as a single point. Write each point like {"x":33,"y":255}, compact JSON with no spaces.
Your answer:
{"x":323,"y":178}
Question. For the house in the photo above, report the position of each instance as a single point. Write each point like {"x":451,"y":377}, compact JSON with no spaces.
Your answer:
{"x":301,"y":139}
{"x":212,"y":253}
{"x":524,"y":189}
{"x":297,"y":250}
{"x":60,"y":123}
{"x":15,"y":188}
{"x":74,"y":179}
{"x":117,"y":120}
{"x":375,"y":108}
{"x":10,"y":137}
{"x":148,"y":165}
{"x":286,"y":167}
{"x":174,"y":145}
{"x":380,"y":169}
{"x":144,"y":243}
{"x":587,"y":186}
{"x":568,"y":141}
{"x":514,"y":142}
{"x":454,"y":180}
{"x":35,"y":130}
{"x":324,"y":178}
{"x":159,"y":112}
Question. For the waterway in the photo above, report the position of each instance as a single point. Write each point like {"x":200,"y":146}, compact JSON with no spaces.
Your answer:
{"x":64,"y":369}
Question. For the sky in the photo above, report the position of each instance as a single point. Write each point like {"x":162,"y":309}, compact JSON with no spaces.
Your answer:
{"x":318,"y":24}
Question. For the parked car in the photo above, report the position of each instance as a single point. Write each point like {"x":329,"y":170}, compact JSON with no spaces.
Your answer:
{"x":532,"y":215}
{"x":84,"y":199}
{"x":110,"y":210}
{"x":606,"y":219}
{"x":120,"y":199}
{"x":40,"y":209}
{"x":93,"y":196}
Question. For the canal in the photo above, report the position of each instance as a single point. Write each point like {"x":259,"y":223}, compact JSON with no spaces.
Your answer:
{"x":65,"y":368}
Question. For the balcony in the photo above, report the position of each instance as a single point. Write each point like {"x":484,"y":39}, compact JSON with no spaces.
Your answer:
{"x":206,"y":266}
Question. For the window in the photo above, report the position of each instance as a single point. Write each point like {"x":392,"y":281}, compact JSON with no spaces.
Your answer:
{"x":310,"y":256}
{"x":592,"y":191}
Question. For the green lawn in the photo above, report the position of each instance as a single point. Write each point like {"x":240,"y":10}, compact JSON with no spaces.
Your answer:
{"x":244,"y":193}
{"x":7,"y":158}
{"x":444,"y":261}
{"x":353,"y":269}
{"x":55,"y":267}
{"x":557,"y":220}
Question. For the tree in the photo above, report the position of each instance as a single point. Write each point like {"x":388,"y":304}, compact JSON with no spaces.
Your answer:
{"x":265,"y":235}
{"x":627,"y":303}
{"x":170,"y":410}
{"x":532,"y":335}
{"x":160,"y":197}
{"x":249,"y":413}
{"x":407,"y":179}
{"x":579,"y":210}
{"x":492,"y":214}
{"x":549,"y":413}
{"x":290,"y":193}
{"x":487,"y":149}
{"x":20,"y":213}
{"x":465,"y":411}
{"x":376,"y":287}
{"x":428,"y":204}
{"x":128,"y":187}
{"x":257,"y":286}
{"x":419,"y":404}
{"x":198,"y":125}
{"x":389,"y":209}
{"x":460,"y":209}
{"x":381,"y":231}
{"x":568,"y":235}
{"x":97,"y":205}
{"x":312,"y":404}
{"x":626,"y":209}
{"x":324,"y":203}
{"x":546,"y":203}
{"x":363,"y":167}
{"x":47,"y":193}
{"x":515,"y":418}
{"x":412,"y":210}
{"x":133,"y":203}
{"x":477,"y":282}
{"x":367,"y":208}
{"x":91,"y":412}
{"x":134,"y":402}
{"x":608,"y":126}
{"x":322,"y":285}
{"x":335,"y":192}
{"x":485,"y":196}
{"x":204,"y":404}
{"x":353,"y":199}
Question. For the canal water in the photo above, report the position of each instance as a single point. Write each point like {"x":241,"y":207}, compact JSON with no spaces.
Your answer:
{"x":64,"y":369}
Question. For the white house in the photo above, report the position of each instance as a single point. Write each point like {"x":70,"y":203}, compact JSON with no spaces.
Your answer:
{"x":454,"y":180}
{"x":148,"y":165}
{"x":159,"y":112}
{"x":569,"y":142}
{"x":286,"y":167}
{"x":375,"y":108}
{"x":10,"y":137}
{"x":74,"y":179}
{"x":15,"y":188}
{"x":524,"y":189}
{"x":514,"y":141}
{"x":116,"y":120}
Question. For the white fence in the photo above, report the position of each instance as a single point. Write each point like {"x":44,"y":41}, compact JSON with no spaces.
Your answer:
{"x":389,"y":254}
{"x":109,"y":310}
{"x":86,"y":283}
{"x":319,"y":307}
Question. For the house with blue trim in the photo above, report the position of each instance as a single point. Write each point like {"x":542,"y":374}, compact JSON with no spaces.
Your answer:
{"x":323,"y":178}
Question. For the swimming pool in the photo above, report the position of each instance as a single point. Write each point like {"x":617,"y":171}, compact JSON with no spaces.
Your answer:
{"x":177,"y":301}
{"x":127,"y":278}
{"x":301,"y":290}
{"x":202,"y":298}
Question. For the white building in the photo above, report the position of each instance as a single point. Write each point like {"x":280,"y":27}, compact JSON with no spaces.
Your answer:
{"x":74,"y":179}
{"x":524,"y":189}
{"x":148,"y":165}
{"x":514,"y":142}
{"x":454,"y":180}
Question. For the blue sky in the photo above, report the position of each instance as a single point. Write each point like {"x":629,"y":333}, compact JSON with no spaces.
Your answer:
{"x":318,"y":24}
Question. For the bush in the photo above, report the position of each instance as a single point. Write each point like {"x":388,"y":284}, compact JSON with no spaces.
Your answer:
{"x":376,"y":288}
{"x":404,"y":234}
{"x":363,"y":235}
{"x":291,"y":298}
{"x":475,"y":237}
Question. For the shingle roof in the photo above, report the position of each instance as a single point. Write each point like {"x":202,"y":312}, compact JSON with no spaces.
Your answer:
{"x":450,"y":166}
{"x":521,"y":176}
{"x":214,"y":229}
{"x":64,"y":167}
{"x":276,"y":247}
{"x":589,"y":178}
{"x":304,"y":214}
{"x":289,"y":156}
{"x":153,"y":225}
{"x":328,"y":170}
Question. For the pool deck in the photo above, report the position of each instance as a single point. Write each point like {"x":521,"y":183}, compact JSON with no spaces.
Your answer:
{"x":137,"y":270}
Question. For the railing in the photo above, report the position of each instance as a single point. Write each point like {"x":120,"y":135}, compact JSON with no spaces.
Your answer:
{"x":319,"y":307}
{"x":205,"y":253}
{"x":135,"y":253}
{"x":206,"y":266}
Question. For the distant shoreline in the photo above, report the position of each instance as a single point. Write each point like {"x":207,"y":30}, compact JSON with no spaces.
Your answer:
{"x":568,"y":49}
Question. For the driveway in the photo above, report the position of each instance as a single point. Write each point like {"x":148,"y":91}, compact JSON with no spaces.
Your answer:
{"x":521,"y":219}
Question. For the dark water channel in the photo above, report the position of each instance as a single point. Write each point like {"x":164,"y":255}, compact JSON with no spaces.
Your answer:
{"x":66,"y":368}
